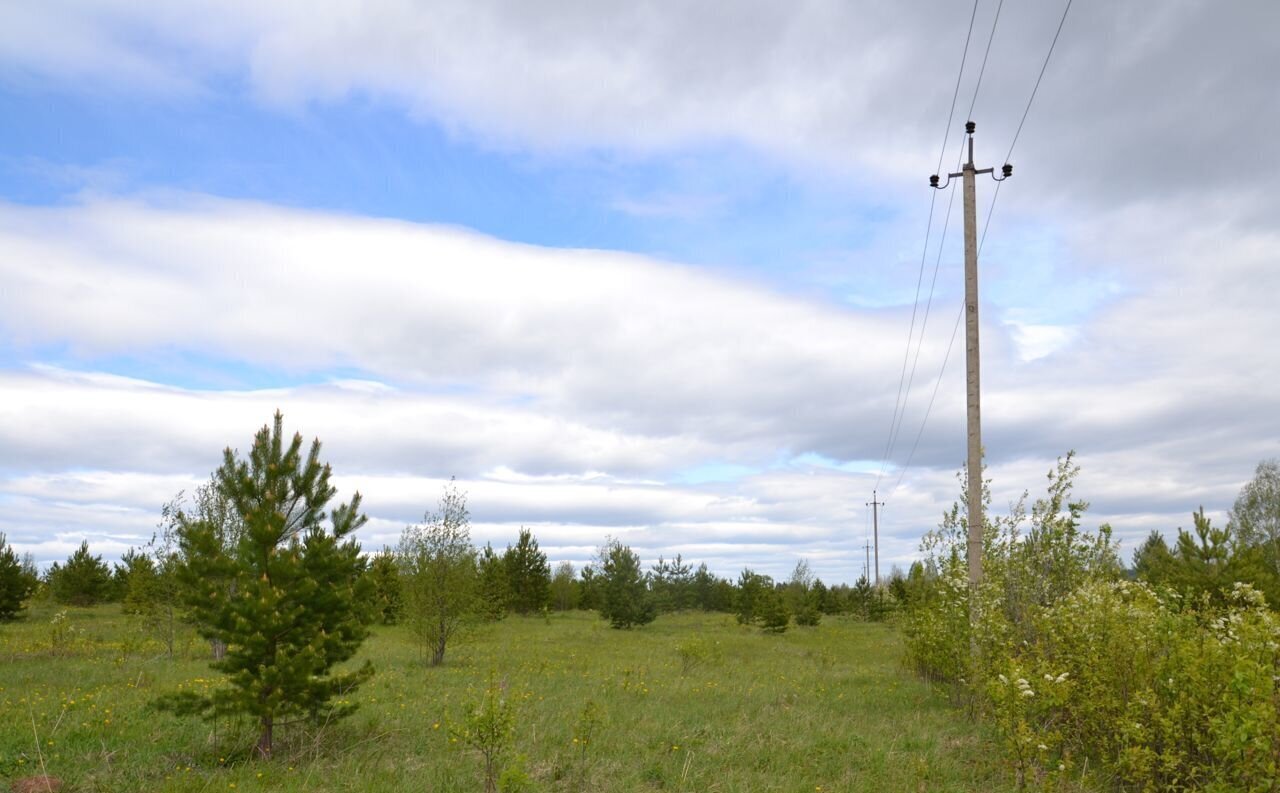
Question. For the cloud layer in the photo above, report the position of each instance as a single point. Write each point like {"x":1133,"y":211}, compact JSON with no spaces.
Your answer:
{"x":1131,"y":277}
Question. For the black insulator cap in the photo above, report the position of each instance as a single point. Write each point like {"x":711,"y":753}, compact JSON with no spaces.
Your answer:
{"x":1007,"y":170}
{"x":969,"y":127}
{"x":933,"y":180}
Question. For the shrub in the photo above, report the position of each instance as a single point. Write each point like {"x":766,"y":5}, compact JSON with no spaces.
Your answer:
{"x":1166,"y":692}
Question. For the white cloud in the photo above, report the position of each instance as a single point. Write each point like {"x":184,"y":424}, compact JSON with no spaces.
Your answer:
{"x":564,"y":386}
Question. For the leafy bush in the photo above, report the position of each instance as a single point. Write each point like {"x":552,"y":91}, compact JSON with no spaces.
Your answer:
{"x":1070,"y":663}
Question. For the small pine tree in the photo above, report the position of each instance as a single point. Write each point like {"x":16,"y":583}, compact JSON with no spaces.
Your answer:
{"x":18,"y":581}
{"x":387,"y":591}
{"x":625,"y":599}
{"x":528,"y":574}
{"x":750,"y":596}
{"x":590,"y":596}
{"x":495,"y":593}
{"x":288,"y":600}
{"x":84,"y":580}
{"x":136,"y":577}
{"x":772,"y":611}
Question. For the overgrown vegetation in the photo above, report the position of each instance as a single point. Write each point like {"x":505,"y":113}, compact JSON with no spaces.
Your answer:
{"x":1160,"y":684}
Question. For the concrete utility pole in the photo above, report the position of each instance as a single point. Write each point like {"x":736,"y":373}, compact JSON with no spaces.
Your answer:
{"x":875,"y":523}
{"x":973,"y":469}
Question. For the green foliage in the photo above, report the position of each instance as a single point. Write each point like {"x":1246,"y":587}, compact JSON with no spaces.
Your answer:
{"x":749,"y":597}
{"x":528,"y":574}
{"x":287,"y":599}
{"x":18,"y":580}
{"x":564,"y":587}
{"x":671,"y":585}
{"x":698,"y":651}
{"x":624,"y":598}
{"x":438,"y":573}
{"x":495,"y":592}
{"x":1153,"y":561}
{"x":136,"y":574}
{"x":1255,"y":516}
{"x":488,"y":729}
{"x":590,"y":588}
{"x":1209,"y":562}
{"x":1072,"y":666}
{"x":387,"y":590}
{"x":803,"y":598}
{"x":83,"y":581}
{"x":710,"y":593}
{"x":771,"y":611}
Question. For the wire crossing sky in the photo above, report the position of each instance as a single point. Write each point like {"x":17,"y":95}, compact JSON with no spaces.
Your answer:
{"x":637,"y":270}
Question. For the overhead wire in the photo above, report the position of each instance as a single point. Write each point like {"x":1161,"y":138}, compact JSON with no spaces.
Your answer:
{"x":990,"y":211}
{"x":898,"y":406}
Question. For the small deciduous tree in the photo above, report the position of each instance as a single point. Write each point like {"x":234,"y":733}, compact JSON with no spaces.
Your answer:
{"x":624,"y":597}
{"x":438,"y":573}
{"x":288,"y":599}
{"x":1255,"y":516}
{"x":18,"y":579}
{"x":564,"y":587}
{"x":802,"y":598}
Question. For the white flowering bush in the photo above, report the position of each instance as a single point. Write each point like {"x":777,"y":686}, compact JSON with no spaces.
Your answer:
{"x":1076,"y":668}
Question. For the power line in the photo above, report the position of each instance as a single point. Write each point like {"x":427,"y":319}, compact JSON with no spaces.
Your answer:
{"x":924,"y":254}
{"x":990,"y":211}
{"x":1043,"y":66}
{"x":983,"y":69}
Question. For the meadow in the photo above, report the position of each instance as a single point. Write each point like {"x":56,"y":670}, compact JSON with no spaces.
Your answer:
{"x":691,"y":702}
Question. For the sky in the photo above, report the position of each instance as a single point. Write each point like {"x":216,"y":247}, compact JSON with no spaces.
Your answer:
{"x":663,"y":272}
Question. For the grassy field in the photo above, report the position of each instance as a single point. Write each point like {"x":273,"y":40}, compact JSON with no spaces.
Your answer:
{"x":692,"y":702}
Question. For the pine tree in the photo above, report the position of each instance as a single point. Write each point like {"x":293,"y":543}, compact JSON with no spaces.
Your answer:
{"x":625,"y":598}
{"x":528,"y":574}
{"x":388,"y":592}
{"x":83,"y":581}
{"x":495,"y":593}
{"x":295,"y":606}
{"x":17,"y":581}
{"x":136,"y":578}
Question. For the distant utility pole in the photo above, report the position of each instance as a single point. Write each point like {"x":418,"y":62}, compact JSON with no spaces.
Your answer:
{"x":875,"y":523}
{"x":973,"y":469}
{"x":866,"y":567}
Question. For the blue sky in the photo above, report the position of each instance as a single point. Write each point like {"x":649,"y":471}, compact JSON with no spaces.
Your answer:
{"x":625,"y":270}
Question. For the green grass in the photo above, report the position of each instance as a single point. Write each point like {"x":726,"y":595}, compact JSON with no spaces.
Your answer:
{"x":692,"y":702}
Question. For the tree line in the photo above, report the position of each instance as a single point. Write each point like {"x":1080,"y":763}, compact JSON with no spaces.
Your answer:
{"x":269,"y":572}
